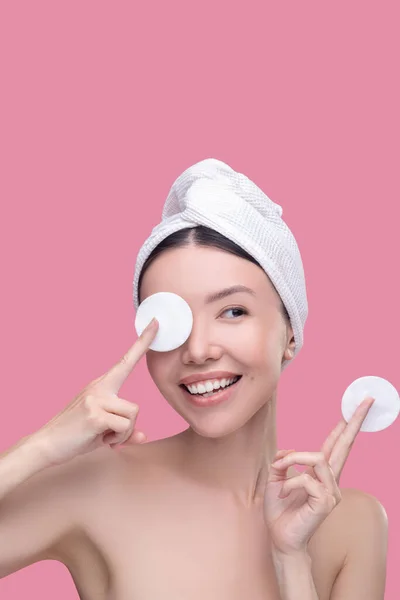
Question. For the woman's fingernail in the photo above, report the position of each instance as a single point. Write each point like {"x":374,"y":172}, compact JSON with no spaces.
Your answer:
{"x":277,"y":463}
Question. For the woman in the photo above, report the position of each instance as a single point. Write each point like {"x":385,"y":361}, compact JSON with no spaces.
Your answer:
{"x":204,"y":513}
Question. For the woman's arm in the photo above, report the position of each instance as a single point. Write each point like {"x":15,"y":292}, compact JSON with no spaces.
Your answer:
{"x":293,"y":572}
{"x":363,"y":575}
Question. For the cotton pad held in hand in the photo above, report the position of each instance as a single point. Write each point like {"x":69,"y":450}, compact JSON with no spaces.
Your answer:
{"x":384,"y":410}
{"x":174,"y":316}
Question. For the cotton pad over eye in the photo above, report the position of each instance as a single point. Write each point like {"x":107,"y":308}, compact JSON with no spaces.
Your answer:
{"x":174,"y":316}
{"x":384,"y":410}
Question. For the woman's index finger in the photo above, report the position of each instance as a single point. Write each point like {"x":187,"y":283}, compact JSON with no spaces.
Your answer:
{"x":116,"y":376}
{"x":346,"y":439}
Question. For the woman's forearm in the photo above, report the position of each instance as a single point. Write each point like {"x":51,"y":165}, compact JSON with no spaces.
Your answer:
{"x":19,"y":463}
{"x":294,"y":576}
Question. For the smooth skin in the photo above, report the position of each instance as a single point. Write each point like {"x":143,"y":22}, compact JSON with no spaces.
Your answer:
{"x":198,"y":494}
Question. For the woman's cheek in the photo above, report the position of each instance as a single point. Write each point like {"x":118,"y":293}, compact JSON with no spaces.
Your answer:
{"x":156,"y":366}
{"x":160,"y":369}
{"x":256,"y":343}
{"x":265,"y":356}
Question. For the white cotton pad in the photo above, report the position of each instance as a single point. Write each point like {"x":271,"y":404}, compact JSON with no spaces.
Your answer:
{"x":384,"y":410}
{"x":174,"y":316}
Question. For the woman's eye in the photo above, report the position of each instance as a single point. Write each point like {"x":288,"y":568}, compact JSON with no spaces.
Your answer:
{"x":236,"y":309}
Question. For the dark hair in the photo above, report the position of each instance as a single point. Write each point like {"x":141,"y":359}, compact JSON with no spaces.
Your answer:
{"x":201,"y":236}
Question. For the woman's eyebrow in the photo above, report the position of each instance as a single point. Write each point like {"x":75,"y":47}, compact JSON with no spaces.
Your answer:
{"x":233,"y":289}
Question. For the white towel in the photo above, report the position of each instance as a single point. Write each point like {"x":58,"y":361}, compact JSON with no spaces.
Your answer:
{"x":212,"y":194}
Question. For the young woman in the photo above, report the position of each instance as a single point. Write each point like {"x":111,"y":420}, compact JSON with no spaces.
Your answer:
{"x":206,"y":513}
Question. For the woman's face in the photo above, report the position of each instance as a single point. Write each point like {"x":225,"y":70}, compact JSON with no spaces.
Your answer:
{"x":242,"y":333}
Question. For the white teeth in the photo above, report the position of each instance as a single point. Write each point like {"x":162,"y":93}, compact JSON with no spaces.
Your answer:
{"x":210,"y":385}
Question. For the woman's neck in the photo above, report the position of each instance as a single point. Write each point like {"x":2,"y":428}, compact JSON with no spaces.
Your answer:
{"x":232,"y":462}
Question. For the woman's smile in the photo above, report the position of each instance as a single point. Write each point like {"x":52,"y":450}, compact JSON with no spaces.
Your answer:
{"x":214,"y":397}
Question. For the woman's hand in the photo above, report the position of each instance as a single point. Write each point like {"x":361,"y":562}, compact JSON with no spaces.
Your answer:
{"x":295,"y":507}
{"x":96,"y":416}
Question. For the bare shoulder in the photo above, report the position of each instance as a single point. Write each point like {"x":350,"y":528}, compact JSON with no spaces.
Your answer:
{"x":91,"y":480}
{"x":354,"y":500}
{"x":99,"y":480}
{"x":363,"y":518}
{"x":78,"y":480}
{"x":357,"y":511}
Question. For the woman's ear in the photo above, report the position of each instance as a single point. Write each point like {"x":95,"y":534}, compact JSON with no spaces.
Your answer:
{"x":288,"y":354}
{"x":290,"y":345}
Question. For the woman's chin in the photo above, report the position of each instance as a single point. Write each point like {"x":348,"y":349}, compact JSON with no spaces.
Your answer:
{"x":213,"y":426}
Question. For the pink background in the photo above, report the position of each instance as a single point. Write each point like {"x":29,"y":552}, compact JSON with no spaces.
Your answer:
{"x":103,"y":105}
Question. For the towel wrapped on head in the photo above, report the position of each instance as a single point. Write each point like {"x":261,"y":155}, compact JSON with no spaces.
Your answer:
{"x":212,"y":194}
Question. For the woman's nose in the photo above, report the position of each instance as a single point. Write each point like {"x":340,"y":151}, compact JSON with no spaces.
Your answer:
{"x":200,"y":347}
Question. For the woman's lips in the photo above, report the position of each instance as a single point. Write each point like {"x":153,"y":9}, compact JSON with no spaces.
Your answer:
{"x":217,"y":398}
